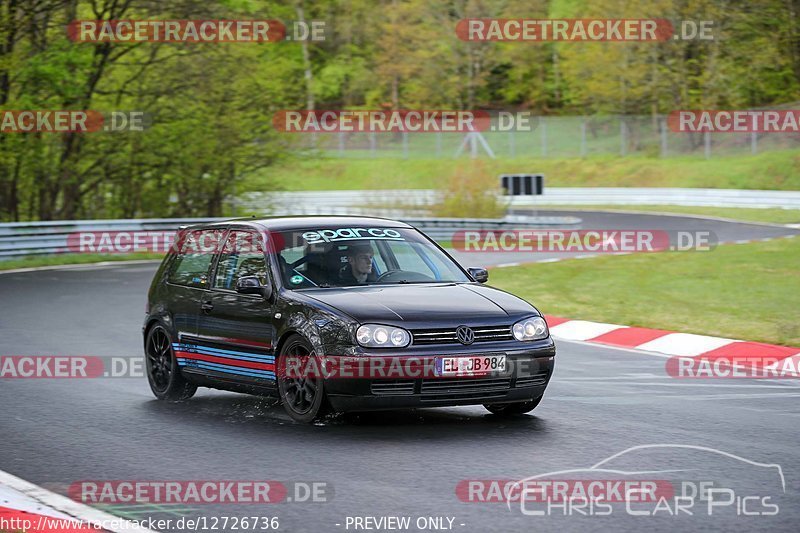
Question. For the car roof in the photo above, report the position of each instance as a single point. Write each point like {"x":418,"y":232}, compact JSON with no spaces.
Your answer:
{"x":284,"y":223}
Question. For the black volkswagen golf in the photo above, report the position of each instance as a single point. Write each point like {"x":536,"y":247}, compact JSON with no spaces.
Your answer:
{"x":338,"y":314}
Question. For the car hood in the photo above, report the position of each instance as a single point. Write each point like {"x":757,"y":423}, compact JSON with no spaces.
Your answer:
{"x":425,"y":305}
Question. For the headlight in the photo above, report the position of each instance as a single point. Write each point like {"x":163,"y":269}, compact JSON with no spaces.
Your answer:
{"x":530,"y":329}
{"x":376,"y":336}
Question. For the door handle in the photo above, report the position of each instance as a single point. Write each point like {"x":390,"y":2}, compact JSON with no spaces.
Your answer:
{"x":206,"y":307}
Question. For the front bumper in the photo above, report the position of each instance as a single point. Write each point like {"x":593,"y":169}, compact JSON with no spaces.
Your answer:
{"x":526,"y":377}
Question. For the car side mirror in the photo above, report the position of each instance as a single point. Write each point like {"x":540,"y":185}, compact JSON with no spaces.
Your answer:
{"x":252,"y":285}
{"x":481,"y":275}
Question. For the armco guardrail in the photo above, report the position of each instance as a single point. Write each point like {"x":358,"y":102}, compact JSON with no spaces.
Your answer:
{"x":663,"y":196}
{"x":40,"y":238}
{"x":371,"y":201}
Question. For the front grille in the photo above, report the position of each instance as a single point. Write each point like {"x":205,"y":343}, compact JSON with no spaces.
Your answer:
{"x":448,"y":335}
{"x":393,"y":387}
{"x":460,"y":388}
{"x":532,"y":381}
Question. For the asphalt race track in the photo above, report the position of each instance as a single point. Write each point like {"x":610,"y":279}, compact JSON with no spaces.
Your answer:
{"x":602,"y":401}
{"x":720,"y":231}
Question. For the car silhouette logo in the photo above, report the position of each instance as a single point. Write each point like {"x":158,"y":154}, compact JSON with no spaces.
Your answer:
{"x":465,"y":335}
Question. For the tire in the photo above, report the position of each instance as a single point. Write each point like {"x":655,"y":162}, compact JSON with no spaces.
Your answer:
{"x":303,"y":397}
{"x":510,"y":409}
{"x":163,"y":374}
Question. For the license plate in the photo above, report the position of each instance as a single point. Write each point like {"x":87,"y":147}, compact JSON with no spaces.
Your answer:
{"x":470,"y":365}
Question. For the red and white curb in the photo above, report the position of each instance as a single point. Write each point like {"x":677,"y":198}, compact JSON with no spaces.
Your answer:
{"x":668,"y":343}
{"x":32,"y":509}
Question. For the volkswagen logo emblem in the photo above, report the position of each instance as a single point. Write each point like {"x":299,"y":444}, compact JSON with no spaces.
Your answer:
{"x":465,"y":335}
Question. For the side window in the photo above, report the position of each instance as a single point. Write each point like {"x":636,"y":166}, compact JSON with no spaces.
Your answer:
{"x":297,"y":277}
{"x":190,"y":267}
{"x":242,"y":255}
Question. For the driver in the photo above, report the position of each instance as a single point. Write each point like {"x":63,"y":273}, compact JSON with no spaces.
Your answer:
{"x":358,"y":269}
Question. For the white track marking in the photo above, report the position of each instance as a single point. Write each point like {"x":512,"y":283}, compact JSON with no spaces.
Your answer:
{"x":581,"y":330}
{"x":14,"y":499}
{"x":685,"y":344}
{"x":71,"y":508}
{"x":693,"y":383}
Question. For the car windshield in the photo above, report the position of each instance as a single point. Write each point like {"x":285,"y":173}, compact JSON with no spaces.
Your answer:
{"x":353,"y":256}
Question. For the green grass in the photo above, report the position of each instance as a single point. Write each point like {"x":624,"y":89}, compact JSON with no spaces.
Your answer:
{"x":72,"y":259}
{"x":741,"y":291}
{"x":770,"y":215}
{"x":778,"y":170}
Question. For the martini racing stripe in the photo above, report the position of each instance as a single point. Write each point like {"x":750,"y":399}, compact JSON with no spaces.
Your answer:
{"x":224,"y":361}
{"x":193,"y":363}
{"x":219,"y":352}
{"x":230,"y":361}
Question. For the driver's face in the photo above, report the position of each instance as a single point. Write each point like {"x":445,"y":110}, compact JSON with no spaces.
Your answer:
{"x":361,"y":263}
